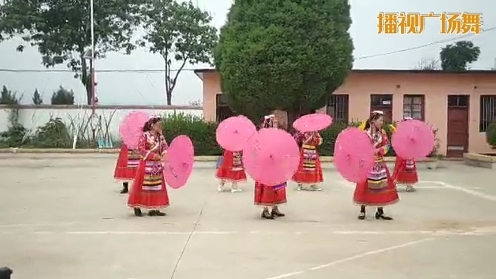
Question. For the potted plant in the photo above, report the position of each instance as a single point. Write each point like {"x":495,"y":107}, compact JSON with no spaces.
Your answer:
{"x":491,"y":135}
{"x":434,"y":155}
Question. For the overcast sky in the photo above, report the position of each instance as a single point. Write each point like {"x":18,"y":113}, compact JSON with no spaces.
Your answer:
{"x":147,"y":88}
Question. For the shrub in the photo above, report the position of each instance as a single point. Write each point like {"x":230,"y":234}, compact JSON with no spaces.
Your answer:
{"x":491,"y":134}
{"x":54,"y":134}
{"x":62,"y":97}
{"x":15,"y":136}
{"x":329,"y":138}
{"x":201,"y":133}
{"x":437,"y":144}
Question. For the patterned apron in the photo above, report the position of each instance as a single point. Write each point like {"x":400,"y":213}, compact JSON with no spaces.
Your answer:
{"x":309,"y":157}
{"x":237,"y":162}
{"x":377,"y":177}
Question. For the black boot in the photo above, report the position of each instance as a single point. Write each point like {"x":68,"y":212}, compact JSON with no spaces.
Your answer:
{"x":361,"y":216}
{"x":380,"y":214}
{"x":266,"y":214}
{"x":125,"y":188}
{"x":159,"y":213}
{"x":137,"y":212}
{"x":276,"y":213}
{"x":156,"y":213}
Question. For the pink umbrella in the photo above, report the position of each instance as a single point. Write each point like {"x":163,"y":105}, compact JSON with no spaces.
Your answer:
{"x":179,"y":161}
{"x":131,"y":128}
{"x":353,"y":154}
{"x":271,"y":156}
{"x":233,"y":132}
{"x":413,"y":139}
{"x":312,"y":122}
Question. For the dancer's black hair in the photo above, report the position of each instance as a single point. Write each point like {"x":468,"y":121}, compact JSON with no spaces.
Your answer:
{"x":373,"y":116}
{"x":148,"y":125}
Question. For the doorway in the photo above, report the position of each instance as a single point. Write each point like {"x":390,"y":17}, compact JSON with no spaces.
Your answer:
{"x":384,"y":103}
{"x":222,"y":108}
{"x":457,"y":134}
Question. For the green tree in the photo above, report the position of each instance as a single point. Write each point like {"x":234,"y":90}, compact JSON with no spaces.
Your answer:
{"x":7,"y":97}
{"x":61,"y":30}
{"x":180,"y":32}
{"x":456,"y":57}
{"x":284,"y":54}
{"x":37,"y":100}
{"x":63,"y":96}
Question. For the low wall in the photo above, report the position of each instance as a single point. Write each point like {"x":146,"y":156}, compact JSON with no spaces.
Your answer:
{"x":32,"y":117}
{"x":479,"y":160}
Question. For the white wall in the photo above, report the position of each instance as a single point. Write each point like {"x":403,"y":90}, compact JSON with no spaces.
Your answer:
{"x":31,"y":117}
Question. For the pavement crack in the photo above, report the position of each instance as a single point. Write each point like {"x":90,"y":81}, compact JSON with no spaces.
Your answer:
{"x":190,"y":235}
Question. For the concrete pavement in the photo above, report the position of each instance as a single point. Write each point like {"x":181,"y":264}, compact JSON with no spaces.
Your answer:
{"x":64,"y":218}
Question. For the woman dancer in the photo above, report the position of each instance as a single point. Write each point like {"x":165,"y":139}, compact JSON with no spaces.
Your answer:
{"x":379,"y":189}
{"x":270,"y":197}
{"x":405,"y":171}
{"x":310,"y":168}
{"x":231,"y":170}
{"x":125,"y":168}
{"x":148,"y":191}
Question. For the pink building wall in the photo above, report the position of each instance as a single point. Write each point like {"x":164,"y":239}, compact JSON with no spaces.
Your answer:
{"x":434,"y":85}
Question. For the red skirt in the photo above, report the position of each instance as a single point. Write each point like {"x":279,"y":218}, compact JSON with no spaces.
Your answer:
{"x":125,"y":168}
{"x":305,"y":176}
{"x":148,"y":190}
{"x":405,"y":172}
{"x":365,"y":195}
{"x":268,"y":196}
{"x":229,"y":175}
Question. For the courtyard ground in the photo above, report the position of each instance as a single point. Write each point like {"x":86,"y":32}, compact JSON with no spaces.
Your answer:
{"x":62,"y":217}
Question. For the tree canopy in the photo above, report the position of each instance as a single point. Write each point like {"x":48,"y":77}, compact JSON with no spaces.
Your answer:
{"x":37,"y":99}
{"x":61,"y":29}
{"x":284,"y":54}
{"x":457,"y":57}
{"x":178,"y":31}
{"x":62,"y":96}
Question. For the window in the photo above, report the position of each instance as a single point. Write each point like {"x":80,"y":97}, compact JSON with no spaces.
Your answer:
{"x":487,"y":111}
{"x":382,"y":101}
{"x":413,"y":106}
{"x":337,"y":107}
{"x":458,"y":101}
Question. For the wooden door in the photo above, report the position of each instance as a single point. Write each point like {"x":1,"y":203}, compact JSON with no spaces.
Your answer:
{"x":457,"y":135}
{"x":384,"y":103}
{"x":388,"y":114}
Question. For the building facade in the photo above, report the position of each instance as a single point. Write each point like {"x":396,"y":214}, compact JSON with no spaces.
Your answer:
{"x":459,"y":105}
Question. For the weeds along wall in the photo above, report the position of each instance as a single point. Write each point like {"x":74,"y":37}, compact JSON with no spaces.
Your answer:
{"x":57,"y":132}
{"x":24,"y":123}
